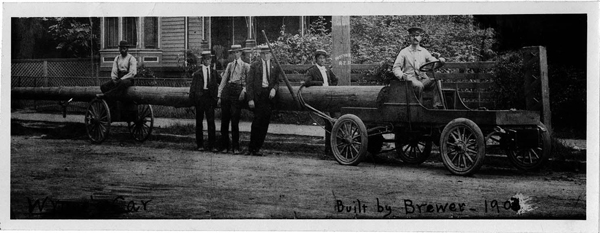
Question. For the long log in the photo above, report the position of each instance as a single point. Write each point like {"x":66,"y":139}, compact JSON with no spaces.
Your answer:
{"x":323,"y":98}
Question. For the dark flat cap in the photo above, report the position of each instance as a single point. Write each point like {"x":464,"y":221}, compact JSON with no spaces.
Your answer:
{"x":415,"y":29}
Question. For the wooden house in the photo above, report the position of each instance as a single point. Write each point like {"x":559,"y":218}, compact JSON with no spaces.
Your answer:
{"x":160,"y":43}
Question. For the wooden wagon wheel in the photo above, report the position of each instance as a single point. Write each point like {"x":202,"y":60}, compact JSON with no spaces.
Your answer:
{"x":534,"y":156}
{"x":349,"y":140}
{"x":412,"y":149}
{"x":462,"y":147}
{"x":97,"y":120}
{"x":141,"y":127}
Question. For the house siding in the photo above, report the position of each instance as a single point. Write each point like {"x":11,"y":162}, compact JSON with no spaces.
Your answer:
{"x":195,"y":33}
{"x":173,"y":41}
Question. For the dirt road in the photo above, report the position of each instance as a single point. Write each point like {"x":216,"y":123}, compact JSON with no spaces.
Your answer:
{"x":63,"y":178}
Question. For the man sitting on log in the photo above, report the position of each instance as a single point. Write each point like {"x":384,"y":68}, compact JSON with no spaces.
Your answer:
{"x":123,"y":71}
{"x":320,"y":75}
{"x":408,"y":61}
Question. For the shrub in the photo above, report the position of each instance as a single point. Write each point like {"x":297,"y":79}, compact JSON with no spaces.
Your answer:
{"x":298,"y":49}
{"x":508,"y":79}
{"x":378,"y":39}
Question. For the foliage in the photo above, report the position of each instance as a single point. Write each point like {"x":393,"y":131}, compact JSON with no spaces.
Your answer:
{"x":189,"y":63}
{"x":74,"y":35}
{"x":298,"y":49}
{"x":380,"y":38}
{"x":568,"y":99}
{"x":25,"y":33}
{"x":145,"y":72}
{"x":508,"y":79}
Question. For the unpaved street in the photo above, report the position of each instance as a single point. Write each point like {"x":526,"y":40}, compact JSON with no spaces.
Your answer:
{"x":64,"y":178}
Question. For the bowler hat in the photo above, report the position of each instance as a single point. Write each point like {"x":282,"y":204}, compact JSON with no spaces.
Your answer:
{"x":235,"y":48}
{"x":124,"y":43}
{"x":415,"y":30}
{"x":320,"y":52}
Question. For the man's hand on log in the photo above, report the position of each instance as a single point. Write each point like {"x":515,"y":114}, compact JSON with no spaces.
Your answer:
{"x":251,"y":104}
{"x":272,"y":94}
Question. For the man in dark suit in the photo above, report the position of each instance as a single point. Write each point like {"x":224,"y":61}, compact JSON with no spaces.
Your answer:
{"x":320,"y":75}
{"x":203,"y":95}
{"x":261,"y":86}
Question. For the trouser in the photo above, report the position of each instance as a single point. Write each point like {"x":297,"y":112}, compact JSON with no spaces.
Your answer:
{"x":115,"y":90}
{"x":328,"y":128}
{"x":426,"y":84}
{"x":231,"y":109}
{"x":205,"y":106}
{"x":262,"y":118}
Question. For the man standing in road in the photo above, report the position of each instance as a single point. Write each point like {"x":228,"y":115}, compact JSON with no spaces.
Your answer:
{"x":320,"y":75}
{"x":231,"y":94}
{"x":408,"y":61}
{"x":203,"y":95}
{"x":262,"y":85}
{"x":123,"y":71}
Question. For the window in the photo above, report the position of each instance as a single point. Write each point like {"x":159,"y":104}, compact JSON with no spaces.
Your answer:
{"x":151,"y":32}
{"x":111,"y":35}
{"x":130,"y":30}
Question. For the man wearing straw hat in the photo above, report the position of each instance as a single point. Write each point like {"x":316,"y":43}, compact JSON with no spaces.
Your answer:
{"x":231,"y":95}
{"x":123,"y":71}
{"x":320,"y":75}
{"x":261,"y":86}
{"x":203,"y":95}
{"x":408,"y":61}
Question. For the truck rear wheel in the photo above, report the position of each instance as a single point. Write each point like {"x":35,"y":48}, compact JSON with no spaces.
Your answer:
{"x":412,"y":149}
{"x":532,"y":157}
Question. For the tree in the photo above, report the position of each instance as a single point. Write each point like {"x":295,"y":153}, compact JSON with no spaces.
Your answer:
{"x":380,"y":38}
{"x":25,"y":33}
{"x":297,"y":49}
{"x":74,"y":36}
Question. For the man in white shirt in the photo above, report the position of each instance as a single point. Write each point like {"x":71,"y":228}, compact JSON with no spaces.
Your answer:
{"x":123,"y":71}
{"x":261,"y":85}
{"x":231,"y":94}
{"x":320,"y":75}
{"x":203,"y":95}
{"x":408,"y":61}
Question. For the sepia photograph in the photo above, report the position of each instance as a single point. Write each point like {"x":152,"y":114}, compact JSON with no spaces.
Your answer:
{"x":272,"y":116}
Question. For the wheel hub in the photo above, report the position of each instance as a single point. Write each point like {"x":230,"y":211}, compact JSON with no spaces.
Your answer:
{"x":347,"y":140}
{"x":460,"y":146}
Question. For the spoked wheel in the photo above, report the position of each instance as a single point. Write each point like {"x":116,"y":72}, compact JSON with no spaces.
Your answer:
{"x":375,"y":144}
{"x":349,"y":140}
{"x":462,"y":147}
{"x":413,"y":149}
{"x":141,"y":128}
{"x":97,"y":120}
{"x":532,"y":157}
